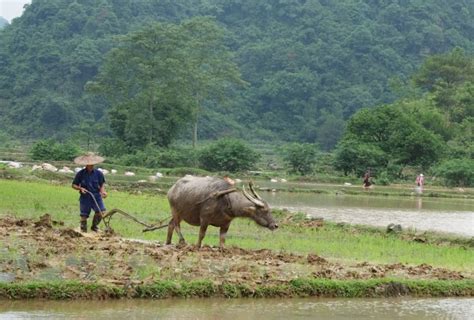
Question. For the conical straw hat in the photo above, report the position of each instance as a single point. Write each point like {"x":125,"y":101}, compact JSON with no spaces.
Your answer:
{"x":88,"y":159}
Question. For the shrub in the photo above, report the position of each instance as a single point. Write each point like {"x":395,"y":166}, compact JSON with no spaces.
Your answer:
{"x":457,"y":172}
{"x":113,"y":148}
{"x":300,"y":157}
{"x":352,"y":156}
{"x":228,"y":155}
{"x":153,"y":157}
{"x":383,"y":178}
{"x":50,"y":150}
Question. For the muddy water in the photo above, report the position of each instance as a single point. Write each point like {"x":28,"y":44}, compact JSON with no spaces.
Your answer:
{"x":236,"y":309}
{"x":445,"y":215}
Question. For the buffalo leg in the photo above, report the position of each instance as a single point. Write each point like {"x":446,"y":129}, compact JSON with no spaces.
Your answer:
{"x":222,"y":234}
{"x":177,"y":227}
{"x":202,"y":233}
{"x":170,"y":231}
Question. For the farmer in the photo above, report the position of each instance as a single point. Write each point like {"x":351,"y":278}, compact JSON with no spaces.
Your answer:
{"x":367,"y":184}
{"x":91,"y":185}
{"x":420,"y":180}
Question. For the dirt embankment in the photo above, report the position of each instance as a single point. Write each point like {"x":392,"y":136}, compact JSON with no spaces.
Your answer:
{"x":46,"y":250}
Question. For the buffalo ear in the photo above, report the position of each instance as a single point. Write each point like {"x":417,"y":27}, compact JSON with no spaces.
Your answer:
{"x":250,"y":210}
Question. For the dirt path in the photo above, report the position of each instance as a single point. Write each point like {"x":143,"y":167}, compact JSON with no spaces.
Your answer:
{"x":46,"y":250}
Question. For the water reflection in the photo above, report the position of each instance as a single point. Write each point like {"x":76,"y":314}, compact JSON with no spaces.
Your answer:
{"x":419,"y":203}
{"x":308,"y":308}
{"x":445,"y":215}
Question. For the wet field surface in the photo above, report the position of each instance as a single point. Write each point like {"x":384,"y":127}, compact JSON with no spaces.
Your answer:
{"x":437,"y":214}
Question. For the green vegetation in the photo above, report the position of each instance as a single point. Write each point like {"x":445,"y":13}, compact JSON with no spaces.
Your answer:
{"x":421,"y":131}
{"x":206,"y":288}
{"x":228,"y":155}
{"x":300,"y":157}
{"x":50,"y":150}
{"x":136,"y":81}
{"x":457,"y":172}
{"x":310,"y":65}
{"x":158,"y":78}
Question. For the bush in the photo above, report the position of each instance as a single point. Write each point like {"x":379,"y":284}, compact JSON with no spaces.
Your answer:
{"x":50,"y":150}
{"x":300,"y":157}
{"x":228,"y":155}
{"x":352,"y":156}
{"x":160,"y":158}
{"x":177,"y":157}
{"x":383,"y":178}
{"x":113,"y":148}
{"x":457,"y":172}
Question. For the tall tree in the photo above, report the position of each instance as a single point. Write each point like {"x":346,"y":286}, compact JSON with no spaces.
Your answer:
{"x":159,"y":77}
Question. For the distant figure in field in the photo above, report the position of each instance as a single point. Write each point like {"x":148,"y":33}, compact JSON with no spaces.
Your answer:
{"x":367,"y":183}
{"x":420,"y":181}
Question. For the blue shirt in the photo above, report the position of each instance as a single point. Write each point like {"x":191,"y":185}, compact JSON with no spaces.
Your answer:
{"x":92,"y":181}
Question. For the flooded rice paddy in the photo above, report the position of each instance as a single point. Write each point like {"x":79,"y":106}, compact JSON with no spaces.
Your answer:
{"x":437,"y":214}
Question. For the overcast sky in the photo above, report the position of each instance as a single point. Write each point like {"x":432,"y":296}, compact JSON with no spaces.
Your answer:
{"x":10,"y":9}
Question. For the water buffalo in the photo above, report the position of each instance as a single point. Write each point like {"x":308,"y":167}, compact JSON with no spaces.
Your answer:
{"x":204,"y":201}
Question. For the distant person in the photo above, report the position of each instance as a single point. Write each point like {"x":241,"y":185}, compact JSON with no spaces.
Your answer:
{"x":420,"y":181}
{"x":367,"y":183}
{"x":91,"y":184}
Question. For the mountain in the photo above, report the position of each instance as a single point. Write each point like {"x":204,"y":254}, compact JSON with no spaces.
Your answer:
{"x":3,"y":22}
{"x":310,"y":64}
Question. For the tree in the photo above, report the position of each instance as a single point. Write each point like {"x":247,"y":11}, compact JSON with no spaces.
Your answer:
{"x":159,"y":77}
{"x":300,"y":157}
{"x":395,"y":133}
{"x":353,"y":156}
{"x":457,"y":172}
{"x":445,"y":70}
{"x":228,"y":155}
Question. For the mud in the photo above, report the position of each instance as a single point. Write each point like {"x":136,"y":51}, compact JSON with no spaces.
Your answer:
{"x":46,"y":250}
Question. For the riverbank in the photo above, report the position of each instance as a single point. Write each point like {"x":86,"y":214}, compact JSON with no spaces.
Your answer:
{"x":208,"y":289}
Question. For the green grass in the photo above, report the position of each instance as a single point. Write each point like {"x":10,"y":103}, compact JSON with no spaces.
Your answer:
{"x":205,"y":288}
{"x":347,"y":244}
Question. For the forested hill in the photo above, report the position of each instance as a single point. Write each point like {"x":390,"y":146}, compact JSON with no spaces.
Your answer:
{"x":3,"y":22}
{"x":309,"y":64}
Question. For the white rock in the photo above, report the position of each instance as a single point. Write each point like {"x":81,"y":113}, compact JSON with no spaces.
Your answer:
{"x":36,"y":167}
{"x":273,"y":180}
{"x":76,"y":170}
{"x":347,"y":184}
{"x":113,"y":171}
{"x":14,"y":165}
{"x":159,"y":175}
{"x":152,"y":178}
{"x":283,"y":180}
{"x":49,"y":167}
{"x":104,"y":171}
{"x":238,"y":180}
{"x":129,"y":173}
{"x":141,"y":181}
{"x":65,"y":170}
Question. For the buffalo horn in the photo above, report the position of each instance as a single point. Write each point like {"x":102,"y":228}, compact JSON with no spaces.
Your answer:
{"x":254,"y":192}
{"x":257,"y":202}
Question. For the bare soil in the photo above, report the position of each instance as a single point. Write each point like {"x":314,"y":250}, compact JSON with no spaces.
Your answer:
{"x":46,"y":250}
